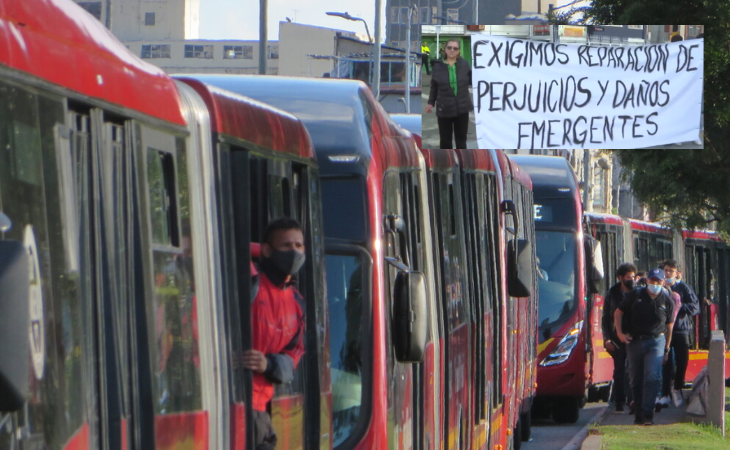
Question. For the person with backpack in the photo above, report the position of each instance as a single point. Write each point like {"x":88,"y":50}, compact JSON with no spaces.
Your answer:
{"x":649,"y":321}
{"x":625,"y":275}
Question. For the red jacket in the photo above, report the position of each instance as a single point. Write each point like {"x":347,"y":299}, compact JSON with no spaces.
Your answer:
{"x":278,"y":329}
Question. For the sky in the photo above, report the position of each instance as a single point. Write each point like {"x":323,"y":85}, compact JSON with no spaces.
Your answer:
{"x":239,"y":19}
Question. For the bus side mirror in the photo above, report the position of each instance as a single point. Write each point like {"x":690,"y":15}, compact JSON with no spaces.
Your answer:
{"x":410,"y":321}
{"x":594,"y":264}
{"x":14,"y":325}
{"x":519,"y":268}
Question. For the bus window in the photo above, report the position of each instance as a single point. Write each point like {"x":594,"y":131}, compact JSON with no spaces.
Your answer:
{"x":557,"y":254}
{"x":175,"y":349}
{"x":346,"y":278}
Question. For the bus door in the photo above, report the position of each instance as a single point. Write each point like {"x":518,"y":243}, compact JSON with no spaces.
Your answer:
{"x":165,"y":346}
{"x":455,"y":309}
{"x":404,"y":246}
{"x":256,"y":189}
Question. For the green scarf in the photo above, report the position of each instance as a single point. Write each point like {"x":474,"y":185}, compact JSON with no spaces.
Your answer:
{"x":452,"y":76}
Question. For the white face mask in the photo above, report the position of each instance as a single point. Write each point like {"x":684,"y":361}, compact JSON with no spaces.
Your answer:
{"x":654,"y":288}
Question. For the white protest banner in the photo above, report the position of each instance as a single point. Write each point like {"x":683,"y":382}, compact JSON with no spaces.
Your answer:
{"x":533,"y":95}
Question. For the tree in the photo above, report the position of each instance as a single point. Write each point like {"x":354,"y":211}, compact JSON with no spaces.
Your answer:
{"x":715,"y":15}
{"x":687,"y":188}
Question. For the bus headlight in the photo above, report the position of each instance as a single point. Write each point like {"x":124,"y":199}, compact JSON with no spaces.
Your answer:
{"x":565,"y":347}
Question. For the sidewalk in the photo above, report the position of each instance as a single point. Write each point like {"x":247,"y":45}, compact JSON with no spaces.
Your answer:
{"x":667,"y":416}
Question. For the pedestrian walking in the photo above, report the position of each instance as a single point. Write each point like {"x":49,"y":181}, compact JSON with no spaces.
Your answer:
{"x":649,"y":315}
{"x":450,"y":84}
{"x":425,"y":56}
{"x":690,"y":307}
{"x":620,"y":394}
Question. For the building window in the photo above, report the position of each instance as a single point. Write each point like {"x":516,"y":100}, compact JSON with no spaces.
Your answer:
{"x":636,"y":27}
{"x":423,"y":15}
{"x":434,"y":13}
{"x":93,"y":8}
{"x":694,"y":30}
{"x":273,"y":51}
{"x":237,"y":52}
{"x":394,"y":14}
{"x":453,"y":14}
{"x":404,"y":15}
{"x":149,"y":19}
{"x":199,"y":51}
{"x":155,"y":51}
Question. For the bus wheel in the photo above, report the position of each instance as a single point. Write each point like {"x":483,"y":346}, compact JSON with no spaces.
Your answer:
{"x":526,"y":422}
{"x":566,"y":411}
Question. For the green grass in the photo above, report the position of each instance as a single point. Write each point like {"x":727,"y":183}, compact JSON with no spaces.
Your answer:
{"x":678,"y":436}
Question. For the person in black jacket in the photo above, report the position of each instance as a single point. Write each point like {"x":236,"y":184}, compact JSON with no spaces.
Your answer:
{"x":617,"y":349}
{"x":649,"y":322}
{"x":682,"y":329}
{"x":450,"y":83}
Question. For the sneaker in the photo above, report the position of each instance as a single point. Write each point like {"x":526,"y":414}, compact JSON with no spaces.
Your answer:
{"x":664,"y":401}
{"x":657,"y":405}
{"x":648,"y":423}
{"x":632,"y":410}
{"x":677,"y":398}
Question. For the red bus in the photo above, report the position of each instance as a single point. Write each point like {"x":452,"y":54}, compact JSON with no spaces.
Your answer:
{"x":128,"y":206}
{"x":704,"y":260}
{"x":486,"y":329}
{"x":565,"y":280}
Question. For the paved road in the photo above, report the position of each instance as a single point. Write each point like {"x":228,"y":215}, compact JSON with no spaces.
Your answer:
{"x":547,"y":435}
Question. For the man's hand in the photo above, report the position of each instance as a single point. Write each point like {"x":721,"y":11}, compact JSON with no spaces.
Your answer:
{"x":625,"y":338}
{"x":254,"y":360}
{"x":609,"y":346}
{"x":429,"y":108}
{"x":666,"y":357}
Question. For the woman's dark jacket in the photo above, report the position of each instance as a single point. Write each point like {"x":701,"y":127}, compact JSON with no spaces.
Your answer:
{"x":442,"y":96}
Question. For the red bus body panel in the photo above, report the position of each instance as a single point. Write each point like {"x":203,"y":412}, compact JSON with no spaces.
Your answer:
{"x":185,"y":430}
{"x":83,"y":56}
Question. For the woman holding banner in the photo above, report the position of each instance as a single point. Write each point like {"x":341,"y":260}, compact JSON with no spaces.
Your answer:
{"x":450,"y":82}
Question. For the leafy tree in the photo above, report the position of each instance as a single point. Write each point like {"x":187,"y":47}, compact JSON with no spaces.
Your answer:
{"x":715,"y":15}
{"x":686,"y":188}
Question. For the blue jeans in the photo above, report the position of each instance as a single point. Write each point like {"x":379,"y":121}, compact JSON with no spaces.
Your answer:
{"x":645,"y":373}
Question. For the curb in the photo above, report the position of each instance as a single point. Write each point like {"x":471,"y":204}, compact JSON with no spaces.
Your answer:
{"x":584,"y":442}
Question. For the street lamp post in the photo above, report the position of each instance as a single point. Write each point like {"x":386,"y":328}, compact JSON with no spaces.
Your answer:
{"x":345,"y":15}
{"x":374,"y":54}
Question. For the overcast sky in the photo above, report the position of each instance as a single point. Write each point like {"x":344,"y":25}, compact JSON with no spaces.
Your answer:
{"x":239,"y":19}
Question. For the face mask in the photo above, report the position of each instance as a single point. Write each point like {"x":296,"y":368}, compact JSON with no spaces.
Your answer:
{"x":629,"y":284}
{"x":289,"y":262}
{"x":670,"y":280}
{"x":654,"y":288}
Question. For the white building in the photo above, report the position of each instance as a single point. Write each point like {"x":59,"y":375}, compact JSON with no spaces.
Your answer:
{"x":132,"y":20}
{"x":203,"y":56}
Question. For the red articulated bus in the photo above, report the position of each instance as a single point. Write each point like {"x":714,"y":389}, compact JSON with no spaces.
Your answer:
{"x":128,"y":206}
{"x":486,"y":329}
{"x":703,"y":256}
{"x":565,"y":280}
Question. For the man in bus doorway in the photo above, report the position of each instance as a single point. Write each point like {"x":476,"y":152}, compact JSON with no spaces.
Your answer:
{"x":649,"y":321}
{"x":690,"y":307}
{"x":277,"y":322}
{"x":625,"y":275}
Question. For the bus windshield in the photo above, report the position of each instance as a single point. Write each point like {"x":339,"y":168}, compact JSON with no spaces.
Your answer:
{"x":556,"y":256}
